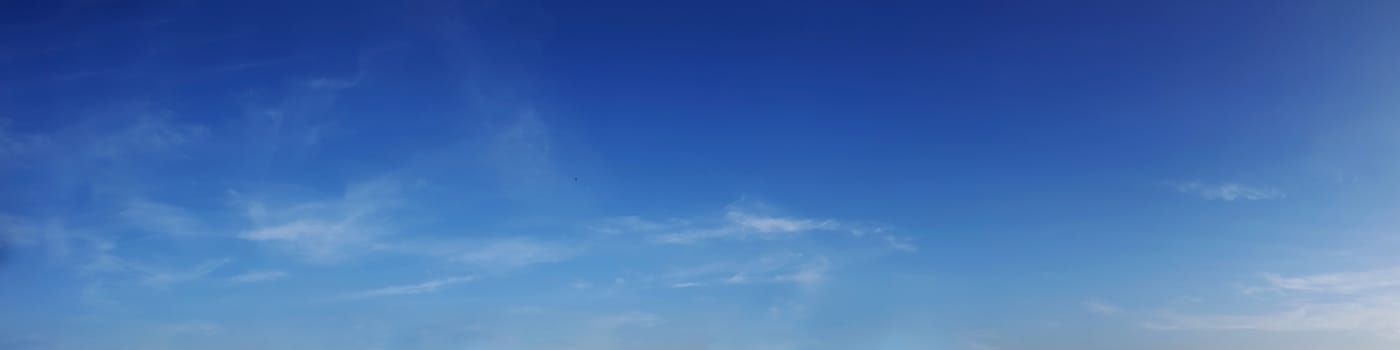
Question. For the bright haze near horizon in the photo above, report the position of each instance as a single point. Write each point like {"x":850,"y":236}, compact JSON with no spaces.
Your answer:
{"x":700,"y":175}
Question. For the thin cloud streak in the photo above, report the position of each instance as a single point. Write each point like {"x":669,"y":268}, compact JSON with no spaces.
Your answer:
{"x":1358,"y":301}
{"x":747,"y":219}
{"x":258,"y":276}
{"x":160,"y":218}
{"x":1229,"y":191}
{"x":420,"y":288}
{"x":325,"y":231}
{"x":1102,"y":308}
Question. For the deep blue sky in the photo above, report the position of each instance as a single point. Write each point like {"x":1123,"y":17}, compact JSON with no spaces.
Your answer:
{"x":699,"y":175}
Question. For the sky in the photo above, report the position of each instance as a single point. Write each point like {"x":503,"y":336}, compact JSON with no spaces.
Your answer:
{"x":707,"y":175}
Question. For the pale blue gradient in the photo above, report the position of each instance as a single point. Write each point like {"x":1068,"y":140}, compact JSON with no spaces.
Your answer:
{"x":699,"y":175}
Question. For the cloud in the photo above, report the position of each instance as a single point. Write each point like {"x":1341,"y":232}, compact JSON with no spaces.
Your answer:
{"x":630,"y":319}
{"x":149,"y":133}
{"x":12,"y":144}
{"x":522,"y":155}
{"x":977,"y":345}
{"x":160,"y":218}
{"x":1336,"y":283}
{"x":513,"y":253}
{"x":808,"y":274}
{"x":793,"y":268}
{"x":162,"y":277}
{"x":87,"y":144}
{"x":1357,"y":301}
{"x":257,"y":276}
{"x":1229,"y":191}
{"x":625,"y":224}
{"x":105,"y":263}
{"x":1379,"y":316}
{"x":324,"y":231}
{"x":15,"y":230}
{"x":313,"y":239}
{"x":420,"y":288}
{"x":1102,"y":308}
{"x":193,"y":327}
{"x":769,"y":224}
{"x":748,"y":219}
{"x":904,"y":244}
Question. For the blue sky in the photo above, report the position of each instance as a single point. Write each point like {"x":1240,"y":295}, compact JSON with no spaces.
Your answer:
{"x":699,"y":175}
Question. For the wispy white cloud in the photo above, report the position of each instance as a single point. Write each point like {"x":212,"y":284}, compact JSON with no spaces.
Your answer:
{"x":1359,"y":301}
{"x":491,"y":254}
{"x":149,"y":133}
{"x":1352,"y":282}
{"x":522,"y":155}
{"x":420,"y":288}
{"x":794,"y":268}
{"x":977,"y":345}
{"x":904,"y":244}
{"x":625,"y":224}
{"x":160,"y":218}
{"x":807,"y":274}
{"x":629,"y":319}
{"x":1102,"y":308}
{"x":1229,"y":191}
{"x":165,"y":277}
{"x":16,"y":144}
{"x":258,"y":276}
{"x":84,"y":144}
{"x":1380,"y":316}
{"x":15,"y":230}
{"x":106,"y":263}
{"x":512,"y":253}
{"x":748,"y":219}
{"x":60,"y":242}
{"x":757,"y":223}
{"x":328,"y":230}
{"x":193,"y":327}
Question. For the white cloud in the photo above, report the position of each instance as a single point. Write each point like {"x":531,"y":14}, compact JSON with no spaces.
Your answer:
{"x":420,"y":288}
{"x":753,"y":222}
{"x":315,"y":240}
{"x":1102,"y":308}
{"x":1336,"y":283}
{"x":742,"y":222}
{"x":1229,"y":191}
{"x":625,"y":224}
{"x":1359,"y":301}
{"x":105,"y":263}
{"x":194,"y":327}
{"x":161,"y":277}
{"x":747,"y":219}
{"x":324,"y":231}
{"x":791,"y":268}
{"x":257,"y":276}
{"x":977,"y":345}
{"x":147,"y":134}
{"x":1375,"y":315}
{"x":160,"y":218}
{"x":511,"y":253}
{"x":12,"y":144}
{"x":15,"y":230}
{"x":522,"y":155}
{"x":808,"y":274}
{"x":630,"y":319}
{"x":904,"y":244}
